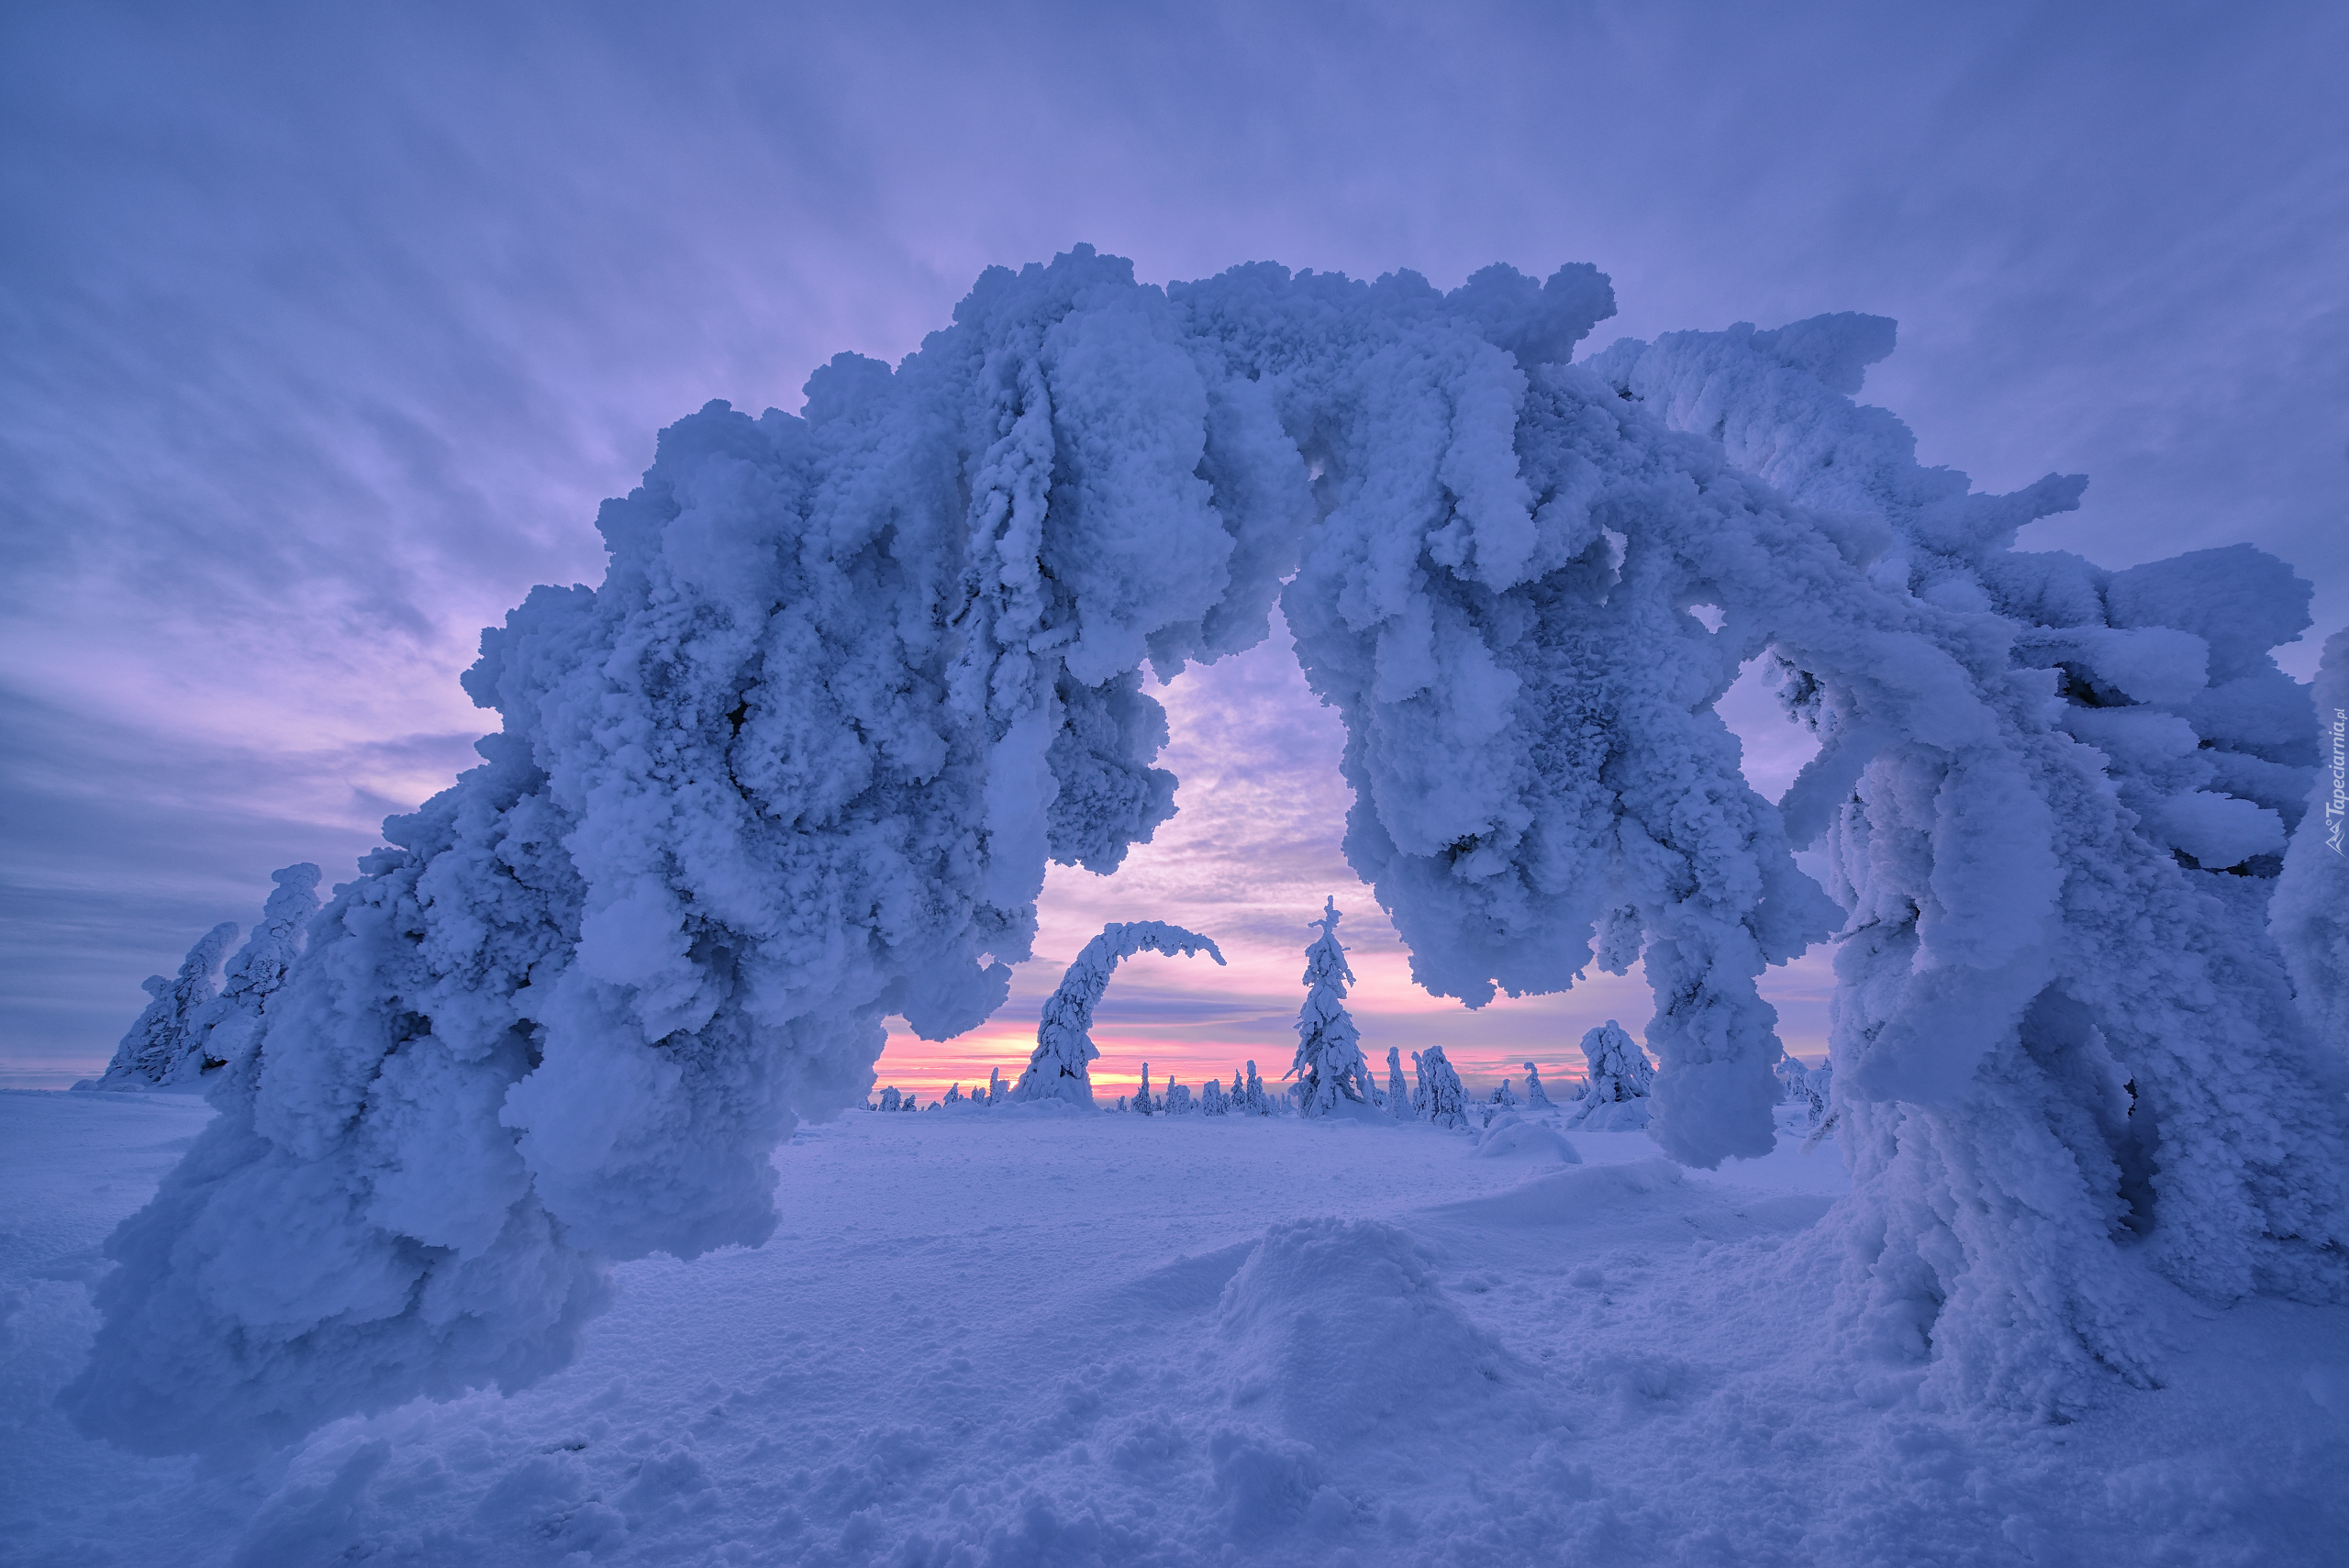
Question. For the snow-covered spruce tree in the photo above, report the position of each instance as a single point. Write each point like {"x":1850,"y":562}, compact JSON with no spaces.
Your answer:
{"x":1259,"y":1102}
{"x":1439,"y":1097}
{"x":997,"y":1088}
{"x":1505,"y":1096}
{"x":1141,"y":1103}
{"x":1179,"y":1098}
{"x":1536,"y":1097}
{"x":1620,"y":1076}
{"x":890,"y":1098}
{"x":1060,"y":1066}
{"x":855,"y":675}
{"x":1329,"y":1065}
{"x":164,"y":1044}
{"x":1211,"y":1098}
{"x":1399,"y":1094}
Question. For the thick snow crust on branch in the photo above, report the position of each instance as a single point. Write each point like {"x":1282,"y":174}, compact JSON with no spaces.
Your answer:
{"x":854,"y":676}
{"x":1060,"y":1069}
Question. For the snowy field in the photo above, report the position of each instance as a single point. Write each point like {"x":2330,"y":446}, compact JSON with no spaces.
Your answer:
{"x":1009,"y":1338}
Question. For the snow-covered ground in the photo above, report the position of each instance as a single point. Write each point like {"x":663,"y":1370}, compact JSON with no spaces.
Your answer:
{"x":1019,"y":1337}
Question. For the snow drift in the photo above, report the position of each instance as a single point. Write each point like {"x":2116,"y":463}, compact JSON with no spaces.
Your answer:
{"x":854,"y":676}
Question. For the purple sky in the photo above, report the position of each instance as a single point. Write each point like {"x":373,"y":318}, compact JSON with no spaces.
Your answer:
{"x":322,"y":333}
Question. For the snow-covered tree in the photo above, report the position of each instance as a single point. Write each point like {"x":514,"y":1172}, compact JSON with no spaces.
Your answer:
{"x":1141,"y":1102}
{"x":1536,"y":1097}
{"x":1258,"y":1102}
{"x":1620,"y":1076}
{"x":890,"y":1098}
{"x":1329,"y":1065}
{"x":996,"y":1087}
{"x":1179,"y":1098}
{"x":1505,"y":1096}
{"x":231,"y":1023}
{"x":855,"y":677}
{"x":1439,"y":1097}
{"x":1059,"y":1067}
{"x":164,"y":1043}
{"x":953,"y":1094}
{"x":1399,"y":1094}
{"x":1790,"y":1074}
{"x":1212,"y":1101}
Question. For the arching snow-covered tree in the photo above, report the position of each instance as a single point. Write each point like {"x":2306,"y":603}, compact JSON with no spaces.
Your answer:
{"x":1536,"y":1097}
{"x":1329,"y":1065}
{"x":855,"y":676}
{"x":1060,"y":1066}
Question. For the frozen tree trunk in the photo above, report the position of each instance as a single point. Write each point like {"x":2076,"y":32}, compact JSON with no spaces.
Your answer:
{"x":1059,"y":1067}
{"x":1329,"y":1065}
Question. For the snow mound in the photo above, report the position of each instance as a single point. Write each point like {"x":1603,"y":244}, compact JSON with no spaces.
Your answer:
{"x":1515,"y":1137}
{"x":1342,"y":1329}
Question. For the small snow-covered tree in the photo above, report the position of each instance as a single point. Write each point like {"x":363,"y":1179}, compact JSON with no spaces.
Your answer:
{"x":890,"y":1098}
{"x":1141,"y":1095}
{"x":1211,"y":1100}
{"x":1179,"y":1098}
{"x":162,"y":1044}
{"x":1059,"y":1067}
{"x":1505,"y":1096}
{"x":953,"y":1094}
{"x":1399,"y":1094}
{"x":1621,"y":1075}
{"x":912,"y":1101}
{"x":231,"y":1023}
{"x":1440,"y":1095}
{"x":1536,"y":1097}
{"x":1329,"y":1065}
{"x":997,"y":1088}
{"x":1259,"y":1102}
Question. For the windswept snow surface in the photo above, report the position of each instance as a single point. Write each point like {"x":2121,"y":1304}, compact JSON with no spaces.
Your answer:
{"x":1011,"y":1339}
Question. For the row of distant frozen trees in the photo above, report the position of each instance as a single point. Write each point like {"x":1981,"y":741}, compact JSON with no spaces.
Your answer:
{"x":203,"y":1018}
{"x":1330,"y":1073}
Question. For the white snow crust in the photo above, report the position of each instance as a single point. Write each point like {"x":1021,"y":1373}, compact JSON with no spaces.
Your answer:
{"x":1097,"y":1341}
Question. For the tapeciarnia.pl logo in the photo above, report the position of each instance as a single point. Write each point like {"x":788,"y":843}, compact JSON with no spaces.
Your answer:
{"x":2336,"y":808}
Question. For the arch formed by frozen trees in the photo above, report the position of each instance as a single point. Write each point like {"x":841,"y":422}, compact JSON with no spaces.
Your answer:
{"x":1060,"y":1066}
{"x":855,"y":675}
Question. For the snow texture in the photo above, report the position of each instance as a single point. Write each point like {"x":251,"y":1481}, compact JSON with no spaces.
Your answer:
{"x":854,"y":676}
{"x":1060,"y":1068}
